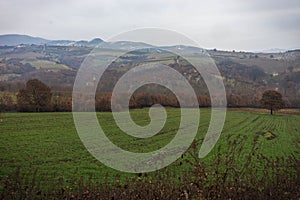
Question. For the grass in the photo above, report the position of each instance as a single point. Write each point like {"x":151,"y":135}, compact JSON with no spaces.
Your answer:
{"x":45,"y":64}
{"x":289,"y":111}
{"x":48,"y":142}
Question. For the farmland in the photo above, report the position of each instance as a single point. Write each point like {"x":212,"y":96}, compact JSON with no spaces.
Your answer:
{"x":48,"y":142}
{"x":246,"y":75}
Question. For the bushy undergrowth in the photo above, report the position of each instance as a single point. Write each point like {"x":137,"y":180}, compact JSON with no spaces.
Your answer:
{"x":235,"y":175}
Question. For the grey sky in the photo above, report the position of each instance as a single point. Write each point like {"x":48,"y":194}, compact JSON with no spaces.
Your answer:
{"x":224,"y":24}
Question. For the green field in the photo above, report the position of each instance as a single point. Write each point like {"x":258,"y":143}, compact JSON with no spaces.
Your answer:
{"x":45,"y":64}
{"x":48,"y":142}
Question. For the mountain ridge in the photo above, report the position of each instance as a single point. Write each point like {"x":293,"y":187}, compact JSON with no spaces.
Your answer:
{"x":22,"y":39}
{"x":17,"y":39}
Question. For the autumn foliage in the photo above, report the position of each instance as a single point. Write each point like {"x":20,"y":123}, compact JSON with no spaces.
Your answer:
{"x":35,"y":97}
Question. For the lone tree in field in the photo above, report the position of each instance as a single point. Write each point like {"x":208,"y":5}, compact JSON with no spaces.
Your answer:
{"x":272,"y":100}
{"x":35,"y":97}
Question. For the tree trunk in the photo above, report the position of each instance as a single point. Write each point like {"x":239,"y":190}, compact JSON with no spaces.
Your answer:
{"x":271,"y":111}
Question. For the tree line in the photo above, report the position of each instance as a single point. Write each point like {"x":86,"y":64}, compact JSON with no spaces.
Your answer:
{"x":36,"y":96}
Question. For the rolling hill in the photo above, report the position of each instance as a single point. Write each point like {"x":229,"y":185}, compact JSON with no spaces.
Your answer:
{"x":245,"y":74}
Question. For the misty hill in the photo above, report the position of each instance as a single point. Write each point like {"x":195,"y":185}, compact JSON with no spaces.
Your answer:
{"x":124,"y":45}
{"x":245,"y":74}
{"x":15,"y":39}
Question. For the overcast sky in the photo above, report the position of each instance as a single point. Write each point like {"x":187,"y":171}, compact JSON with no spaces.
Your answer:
{"x":222,"y":24}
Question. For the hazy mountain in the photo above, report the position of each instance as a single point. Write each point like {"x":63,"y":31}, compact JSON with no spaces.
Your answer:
{"x":95,"y":41}
{"x":60,"y":43}
{"x":125,"y":45}
{"x":15,"y":39}
{"x":83,"y":43}
{"x":183,"y":48}
{"x":274,"y":50}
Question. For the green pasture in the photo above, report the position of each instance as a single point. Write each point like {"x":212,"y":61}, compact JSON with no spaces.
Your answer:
{"x":49,"y":143}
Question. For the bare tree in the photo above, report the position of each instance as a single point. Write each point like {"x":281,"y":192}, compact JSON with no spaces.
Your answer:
{"x":272,"y":100}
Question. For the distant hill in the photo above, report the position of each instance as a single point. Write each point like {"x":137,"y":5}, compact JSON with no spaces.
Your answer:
{"x":275,"y":50}
{"x":125,"y":45}
{"x":80,"y":43}
{"x":15,"y":39}
{"x":245,"y":74}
